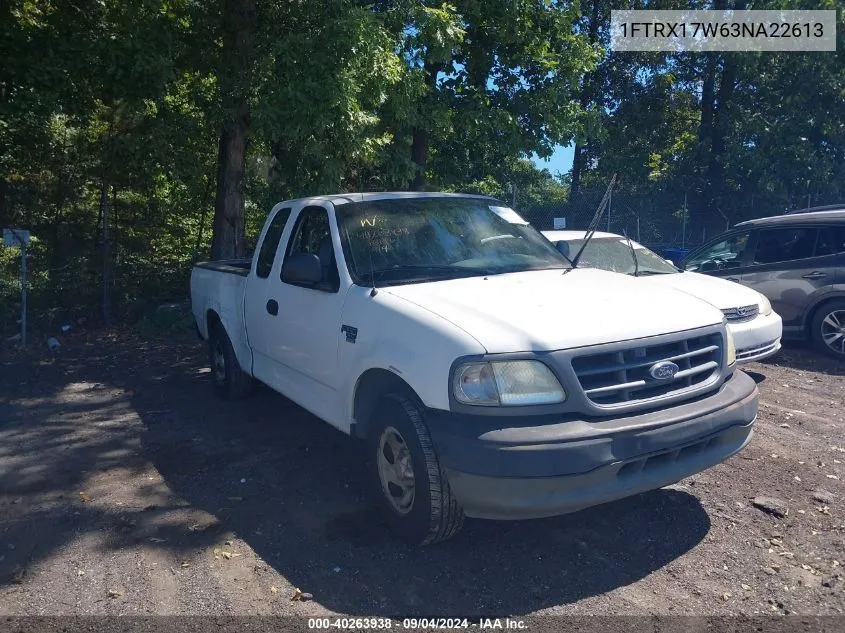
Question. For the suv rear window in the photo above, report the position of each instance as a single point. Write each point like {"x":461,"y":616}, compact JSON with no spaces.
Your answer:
{"x":831,"y":240}
{"x":781,"y":245}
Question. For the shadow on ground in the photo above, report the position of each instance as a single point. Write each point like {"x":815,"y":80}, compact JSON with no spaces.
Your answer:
{"x":799,"y":355}
{"x":289,"y":486}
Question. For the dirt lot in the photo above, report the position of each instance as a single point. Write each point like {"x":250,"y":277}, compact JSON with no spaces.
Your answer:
{"x":127,"y":488}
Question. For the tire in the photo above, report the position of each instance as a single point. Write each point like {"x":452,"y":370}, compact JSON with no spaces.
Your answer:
{"x":230,"y":381}
{"x":828,"y":321}
{"x":433,"y":513}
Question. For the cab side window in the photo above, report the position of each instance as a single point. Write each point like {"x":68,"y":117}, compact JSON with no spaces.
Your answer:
{"x":270,"y":245}
{"x":782,"y":245}
{"x":312,"y":235}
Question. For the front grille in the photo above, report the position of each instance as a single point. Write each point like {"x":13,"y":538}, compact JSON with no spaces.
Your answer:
{"x":742,"y":313}
{"x":666,"y":458}
{"x":751,"y":352}
{"x":622,"y":376}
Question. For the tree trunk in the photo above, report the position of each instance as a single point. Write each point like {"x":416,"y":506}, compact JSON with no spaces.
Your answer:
{"x":579,"y":160}
{"x":56,"y":250}
{"x":721,"y":121}
{"x":238,"y":26}
{"x":721,"y":115}
{"x":708,"y":92}
{"x":419,"y":156}
{"x":104,"y":212}
{"x":228,"y":238}
{"x":421,"y":136}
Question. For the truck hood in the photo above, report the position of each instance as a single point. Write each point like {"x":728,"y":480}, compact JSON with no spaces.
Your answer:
{"x":721,"y":293}
{"x":548,"y":310}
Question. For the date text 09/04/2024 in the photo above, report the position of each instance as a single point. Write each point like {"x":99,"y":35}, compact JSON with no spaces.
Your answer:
{"x":417,"y":623}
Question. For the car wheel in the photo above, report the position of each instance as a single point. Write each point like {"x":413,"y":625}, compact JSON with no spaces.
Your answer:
{"x":230,"y":381}
{"x":406,"y":478}
{"x":828,"y":329}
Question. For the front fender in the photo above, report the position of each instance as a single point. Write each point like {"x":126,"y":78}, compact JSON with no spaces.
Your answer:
{"x":395,"y":335}
{"x":827,"y":293}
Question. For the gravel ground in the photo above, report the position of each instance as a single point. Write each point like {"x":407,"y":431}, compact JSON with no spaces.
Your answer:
{"x":127,"y":488}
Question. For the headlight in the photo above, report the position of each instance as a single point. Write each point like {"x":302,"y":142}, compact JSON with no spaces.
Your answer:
{"x":765,"y":305}
{"x":506,"y":383}
{"x":730,"y":348}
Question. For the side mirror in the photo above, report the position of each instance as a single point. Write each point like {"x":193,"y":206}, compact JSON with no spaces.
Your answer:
{"x":302,"y":268}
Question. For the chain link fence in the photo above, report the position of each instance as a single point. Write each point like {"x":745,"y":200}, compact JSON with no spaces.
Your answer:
{"x":666,"y":220}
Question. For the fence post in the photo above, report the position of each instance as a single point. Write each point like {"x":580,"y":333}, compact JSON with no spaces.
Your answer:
{"x":23,"y":293}
{"x":104,"y":206}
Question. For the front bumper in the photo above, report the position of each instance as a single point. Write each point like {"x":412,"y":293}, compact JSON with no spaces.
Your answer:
{"x":525,"y":467}
{"x":757,"y":339}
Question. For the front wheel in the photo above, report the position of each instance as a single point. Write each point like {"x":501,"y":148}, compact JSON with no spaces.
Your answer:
{"x":828,"y":329}
{"x":407,"y":480}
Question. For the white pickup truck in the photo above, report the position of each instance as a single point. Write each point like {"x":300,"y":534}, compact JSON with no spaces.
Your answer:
{"x":486,"y":376}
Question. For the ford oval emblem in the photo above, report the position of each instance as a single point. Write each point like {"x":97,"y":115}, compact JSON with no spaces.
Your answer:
{"x":664,"y":370}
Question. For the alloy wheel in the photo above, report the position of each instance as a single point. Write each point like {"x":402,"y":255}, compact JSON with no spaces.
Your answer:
{"x":833,"y":331}
{"x":396,"y":470}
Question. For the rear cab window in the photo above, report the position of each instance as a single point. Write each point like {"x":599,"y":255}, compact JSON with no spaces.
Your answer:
{"x":267,"y":254}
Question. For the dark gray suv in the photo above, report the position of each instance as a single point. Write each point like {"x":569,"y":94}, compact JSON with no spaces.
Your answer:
{"x":798,"y":261}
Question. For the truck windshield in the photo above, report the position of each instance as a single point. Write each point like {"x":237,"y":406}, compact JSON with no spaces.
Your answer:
{"x":614,"y":254}
{"x":426,"y":239}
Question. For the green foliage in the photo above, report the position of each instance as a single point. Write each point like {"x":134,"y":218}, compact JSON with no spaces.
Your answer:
{"x":128,"y":99}
{"x":490,"y":82}
{"x":743,"y":134}
{"x":122,"y":103}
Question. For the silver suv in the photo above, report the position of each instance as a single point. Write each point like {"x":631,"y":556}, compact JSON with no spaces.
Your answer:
{"x":798,"y":261}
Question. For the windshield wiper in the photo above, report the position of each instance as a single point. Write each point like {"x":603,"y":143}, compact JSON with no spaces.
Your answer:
{"x":634,"y":255}
{"x":646,"y":273}
{"x":594,"y":223}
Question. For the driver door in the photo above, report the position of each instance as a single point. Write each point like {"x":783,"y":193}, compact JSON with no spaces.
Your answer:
{"x":726,"y":257}
{"x":306,"y":332}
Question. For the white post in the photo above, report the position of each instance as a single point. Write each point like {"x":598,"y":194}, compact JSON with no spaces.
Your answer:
{"x":609,"y":201}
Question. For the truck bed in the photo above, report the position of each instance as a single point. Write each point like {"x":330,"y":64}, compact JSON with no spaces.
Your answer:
{"x":232,"y":266}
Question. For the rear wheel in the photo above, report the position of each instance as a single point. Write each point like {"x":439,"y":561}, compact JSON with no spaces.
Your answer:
{"x":828,"y":329}
{"x":230,"y":381}
{"x":405,"y":475}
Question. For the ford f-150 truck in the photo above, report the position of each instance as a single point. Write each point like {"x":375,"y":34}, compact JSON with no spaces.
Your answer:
{"x":486,"y":376}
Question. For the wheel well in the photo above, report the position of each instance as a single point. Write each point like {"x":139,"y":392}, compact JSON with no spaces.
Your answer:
{"x":811,"y":315}
{"x":211,"y":319}
{"x":372,"y":384}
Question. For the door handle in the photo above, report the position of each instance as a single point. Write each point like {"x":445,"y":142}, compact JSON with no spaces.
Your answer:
{"x":816,"y":274}
{"x":273,"y":307}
